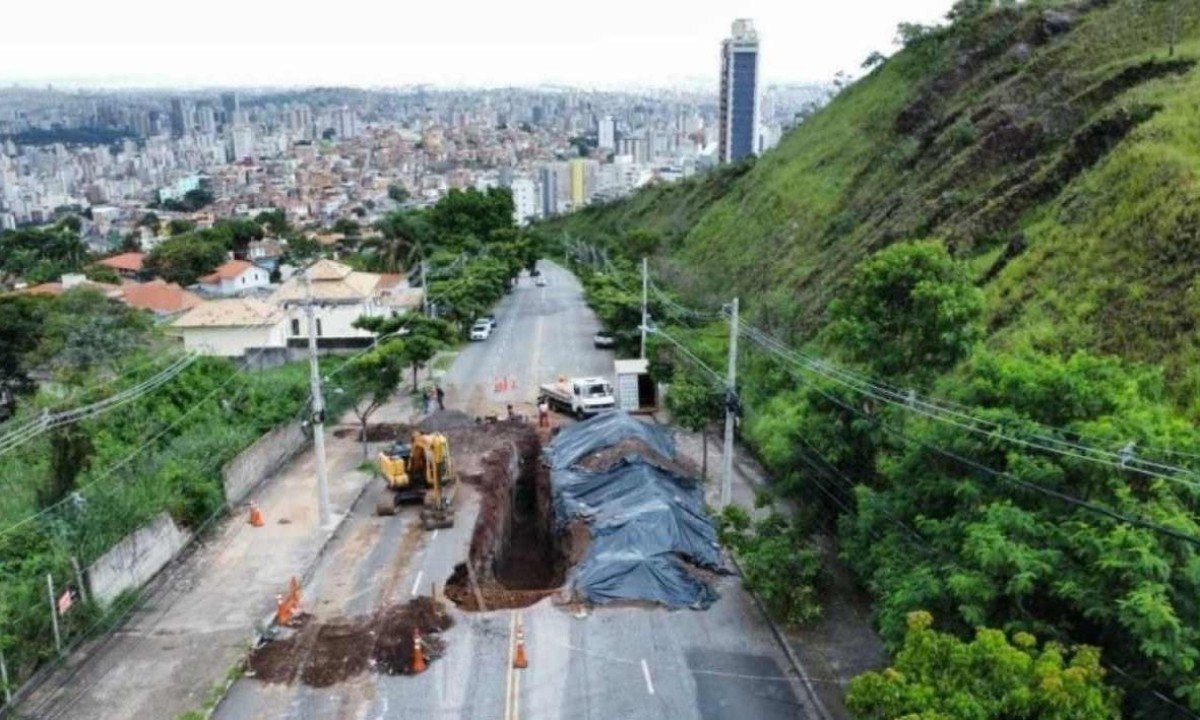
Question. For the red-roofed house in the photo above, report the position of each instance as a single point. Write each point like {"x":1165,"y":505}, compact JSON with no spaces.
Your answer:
{"x":159,"y":297}
{"x":127,"y":265}
{"x":234,"y":278}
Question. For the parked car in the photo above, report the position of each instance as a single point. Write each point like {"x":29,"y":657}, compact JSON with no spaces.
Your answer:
{"x":489,"y":319}
{"x":540,"y":281}
{"x":481,"y":330}
{"x":603,"y":340}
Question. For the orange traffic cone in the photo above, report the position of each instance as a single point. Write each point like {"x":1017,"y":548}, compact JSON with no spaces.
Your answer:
{"x":283,"y":610}
{"x":418,"y":654}
{"x":256,"y":516}
{"x":294,"y":592}
{"x":519,"y":659}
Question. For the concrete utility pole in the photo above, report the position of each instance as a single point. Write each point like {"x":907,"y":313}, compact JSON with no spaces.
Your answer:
{"x":645,"y":290}
{"x":318,"y":403}
{"x":730,"y":416}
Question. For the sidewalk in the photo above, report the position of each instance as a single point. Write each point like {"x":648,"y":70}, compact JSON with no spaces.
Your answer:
{"x":167,"y":657}
{"x":843,"y":643}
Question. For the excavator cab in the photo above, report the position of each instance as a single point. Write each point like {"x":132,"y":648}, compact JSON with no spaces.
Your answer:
{"x":418,"y":471}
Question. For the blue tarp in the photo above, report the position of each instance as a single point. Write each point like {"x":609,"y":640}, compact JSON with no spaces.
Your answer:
{"x":575,"y":442}
{"x":644,"y":520}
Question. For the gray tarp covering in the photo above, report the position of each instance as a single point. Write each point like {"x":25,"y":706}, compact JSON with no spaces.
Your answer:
{"x":639,"y":505}
{"x":605,"y":430}
{"x":643,"y":520}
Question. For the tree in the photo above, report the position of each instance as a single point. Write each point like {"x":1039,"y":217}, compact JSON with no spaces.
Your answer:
{"x":397,"y":192}
{"x":936,"y":676}
{"x":778,"y":561}
{"x":150,"y":220}
{"x":87,"y":331}
{"x":70,"y":450}
{"x":274,"y":220}
{"x":642,"y":243}
{"x":472,"y":212}
{"x":420,"y":337}
{"x":21,"y":331}
{"x":374,"y":377}
{"x":873,"y":60}
{"x":909,"y":311}
{"x":347,"y":227}
{"x":236,"y":235}
{"x":179,"y":226}
{"x":694,"y":404}
{"x":184,"y":258}
{"x":402,"y":237}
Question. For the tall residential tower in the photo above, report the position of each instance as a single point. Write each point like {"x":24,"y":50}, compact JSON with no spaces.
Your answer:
{"x":738,"y":102}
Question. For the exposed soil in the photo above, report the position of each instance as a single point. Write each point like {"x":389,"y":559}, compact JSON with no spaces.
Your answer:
{"x":321,"y":654}
{"x":514,"y":551}
{"x":609,"y":456}
{"x":377,"y":432}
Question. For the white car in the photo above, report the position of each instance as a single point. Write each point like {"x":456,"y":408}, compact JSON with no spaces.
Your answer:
{"x":481,"y":330}
{"x":540,"y":281}
{"x":604,"y":340}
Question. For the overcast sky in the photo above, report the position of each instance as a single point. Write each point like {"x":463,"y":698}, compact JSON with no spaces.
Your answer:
{"x":603,"y":43}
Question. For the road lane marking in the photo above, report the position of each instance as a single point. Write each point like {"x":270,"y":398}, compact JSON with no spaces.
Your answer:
{"x":417,"y":584}
{"x":509,"y":679}
{"x":433,"y":536}
{"x":646,"y":674}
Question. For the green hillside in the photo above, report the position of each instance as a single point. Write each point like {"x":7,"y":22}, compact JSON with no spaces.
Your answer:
{"x":1059,"y":157}
{"x":1004,"y":215}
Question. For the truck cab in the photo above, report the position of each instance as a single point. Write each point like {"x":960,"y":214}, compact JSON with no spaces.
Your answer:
{"x":580,"y":397}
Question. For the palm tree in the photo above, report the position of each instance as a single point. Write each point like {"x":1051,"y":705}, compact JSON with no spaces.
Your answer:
{"x":402,"y":238}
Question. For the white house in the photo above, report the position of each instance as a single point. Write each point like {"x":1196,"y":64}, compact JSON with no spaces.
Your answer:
{"x":230,"y":327}
{"x":341,"y":295}
{"x":235,"y":277}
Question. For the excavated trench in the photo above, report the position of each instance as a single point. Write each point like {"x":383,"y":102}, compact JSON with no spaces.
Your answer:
{"x":516,"y":557}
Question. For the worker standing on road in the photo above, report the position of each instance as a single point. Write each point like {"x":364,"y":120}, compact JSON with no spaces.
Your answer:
{"x":544,"y":413}
{"x":425,"y":402}
{"x":441,"y":398}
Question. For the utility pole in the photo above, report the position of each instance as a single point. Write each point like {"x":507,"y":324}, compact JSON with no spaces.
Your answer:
{"x":730,"y":416}
{"x":645,"y":290}
{"x":318,"y":403}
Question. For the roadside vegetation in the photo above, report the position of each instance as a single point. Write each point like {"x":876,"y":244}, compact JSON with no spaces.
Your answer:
{"x":955,"y":228}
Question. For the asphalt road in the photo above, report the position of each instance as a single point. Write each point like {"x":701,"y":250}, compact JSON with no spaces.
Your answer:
{"x":611,"y":663}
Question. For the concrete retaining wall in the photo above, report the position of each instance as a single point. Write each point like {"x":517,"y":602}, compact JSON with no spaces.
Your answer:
{"x":262,"y":459}
{"x":136,"y":558}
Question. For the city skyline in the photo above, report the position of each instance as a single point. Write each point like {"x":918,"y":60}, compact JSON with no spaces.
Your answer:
{"x":122,"y":45}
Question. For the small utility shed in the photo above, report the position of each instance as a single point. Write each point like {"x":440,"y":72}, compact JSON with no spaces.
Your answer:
{"x":635,"y":389}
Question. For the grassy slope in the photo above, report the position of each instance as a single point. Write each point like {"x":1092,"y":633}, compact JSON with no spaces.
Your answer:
{"x":1062,"y":167}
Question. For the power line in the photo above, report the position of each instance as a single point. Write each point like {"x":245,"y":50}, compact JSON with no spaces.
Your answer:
{"x":914,"y":403}
{"x":49,"y":421}
{"x":1008,"y":477}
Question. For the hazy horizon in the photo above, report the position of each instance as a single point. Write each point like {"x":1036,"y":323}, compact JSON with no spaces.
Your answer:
{"x":124,"y":44}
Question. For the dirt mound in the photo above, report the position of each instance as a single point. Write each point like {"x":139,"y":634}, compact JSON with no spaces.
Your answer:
{"x":609,"y":456}
{"x":324,"y":654}
{"x":378,"y":432}
{"x":443,"y":420}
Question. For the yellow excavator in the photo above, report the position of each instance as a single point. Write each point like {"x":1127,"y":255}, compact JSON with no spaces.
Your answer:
{"x":419,"y":471}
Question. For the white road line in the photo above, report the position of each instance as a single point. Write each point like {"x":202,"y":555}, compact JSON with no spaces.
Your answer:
{"x":646,"y":674}
{"x":433,"y":536}
{"x":417,"y":584}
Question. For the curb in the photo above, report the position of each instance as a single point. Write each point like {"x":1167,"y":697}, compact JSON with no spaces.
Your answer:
{"x":781,"y":638}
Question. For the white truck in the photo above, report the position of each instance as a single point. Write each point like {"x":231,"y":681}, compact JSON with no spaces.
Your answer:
{"x":579,"y":397}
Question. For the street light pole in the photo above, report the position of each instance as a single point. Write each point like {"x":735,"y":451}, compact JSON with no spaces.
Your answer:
{"x":318,"y":403}
{"x":727,"y":453}
{"x":645,"y":291}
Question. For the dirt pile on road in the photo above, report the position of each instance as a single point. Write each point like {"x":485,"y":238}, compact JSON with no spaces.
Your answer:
{"x":378,"y":432}
{"x":321,"y":654}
